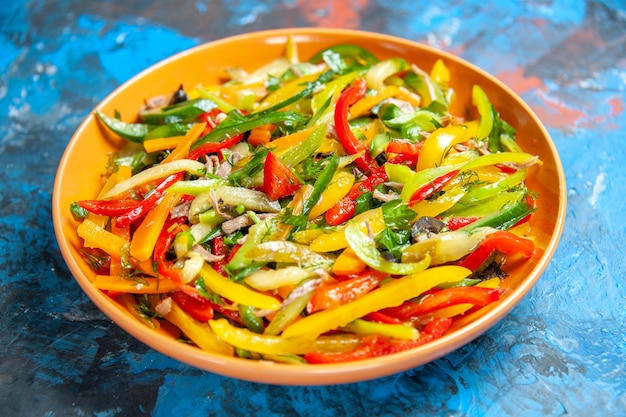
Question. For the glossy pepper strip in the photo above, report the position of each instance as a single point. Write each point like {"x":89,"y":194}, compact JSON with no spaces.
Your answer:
{"x":147,"y":234}
{"x":278,"y":180}
{"x":235,"y":292}
{"x":197,"y":308}
{"x":343,"y":210}
{"x":212,"y":147}
{"x":445,"y":298}
{"x":268,"y":344}
{"x":148,"y":203}
{"x":391,"y":294}
{"x":376,"y":345}
{"x":111,"y":208}
{"x":333,"y":295}
{"x":347,"y":139}
{"x":199,"y":333}
{"x":502,"y":241}
{"x":432,"y":187}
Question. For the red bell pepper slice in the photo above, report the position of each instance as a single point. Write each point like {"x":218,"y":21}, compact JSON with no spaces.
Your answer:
{"x":502,"y":241}
{"x":199,"y":309}
{"x":219,"y":248}
{"x":111,"y":208}
{"x":478,"y":257}
{"x":455,"y":223}
{"x":404,"y":147}
{"x":333,"y":295}
{"x":376,"y":345}
{"x":404,"y":159}
{"x":212,"y":147}
{"x":381,"y":318}
{"x":170,"y":229}
{"x":343,"y":210}
{"x":432,"y":187}
{"x":436,"y":300}
{"x":437,"y":327}
{"x":347,"y":139}
{"x":278,"y":180}
{"x":404,"y":152}
{"x":149,"y":202}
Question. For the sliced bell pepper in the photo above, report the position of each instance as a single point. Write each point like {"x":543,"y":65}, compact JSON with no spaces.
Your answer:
{"x":225,"y":131}
{"x":344,"y":133}
{"x":148,"y":203}
{"x":328,"y":296}
{"x":343,"y":210}
{"x":331,"y":192}
{"x":218,"y":247}
{"x":480,"y":100}
{"x":212,"y":147}
{"x":391,"y":330}
{"x":182,"y":149}
{"x":444,"y":298}
{"x":372,"y":346}
{"x":455,"y":223}
{"x":269,"y":344}
{"x":199,"y":333}
{"x":391,"y":294}
{"x":109,"y":207}
{"x":432,"y":187}
{"x":198,"y":308}
{"x":139,"y":285}
{"x":347,"y":263}
{"x":145,"y":237}
{"x":98,"y":237}
{"x":438,"y":144}
{"x":278,"y":180}
{"x":236,"y":292}
{"x":509,"y":243}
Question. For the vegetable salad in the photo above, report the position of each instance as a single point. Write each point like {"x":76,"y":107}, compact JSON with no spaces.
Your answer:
{"x":311,"y":211}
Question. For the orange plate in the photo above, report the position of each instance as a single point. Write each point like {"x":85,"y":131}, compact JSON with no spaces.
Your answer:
{"x":82,"y":166}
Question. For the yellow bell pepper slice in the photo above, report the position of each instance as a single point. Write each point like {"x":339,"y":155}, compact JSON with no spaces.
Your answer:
{"x":275,"y":345}
{"x":434,"y":207}
{"x":390,"y":294}
{"x":347,"y":263}
{"x":364,"y":105}
{"x":97,"y":237}
{"x":199,"y":333}
{"x":438,"y":144}
{"x":162,"y":144}
{"x":147,"y":234}
{"x":236,"y":292}
{"x":440,"y":74}
{"x":339,"y":186}
{"x":132,"y":285}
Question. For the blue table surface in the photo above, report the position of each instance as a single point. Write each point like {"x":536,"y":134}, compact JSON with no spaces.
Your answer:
{"x":561,"y":351}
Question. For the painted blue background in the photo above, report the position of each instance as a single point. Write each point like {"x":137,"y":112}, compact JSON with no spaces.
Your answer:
{"x":562,"y":351}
